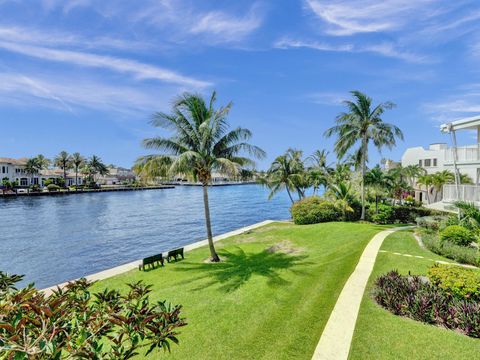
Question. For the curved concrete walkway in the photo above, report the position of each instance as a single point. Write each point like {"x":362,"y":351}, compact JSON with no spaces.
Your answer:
{"x":337,"y":336}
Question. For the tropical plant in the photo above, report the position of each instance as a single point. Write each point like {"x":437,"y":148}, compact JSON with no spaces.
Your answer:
{"x":77,"y":162}
{"x":379,"y":181}
{"x":412,"y":172}
{"x":342,"y":195}
{"x":63,"y":161}
{"x":469,"y":215}
{"x":286,"y":172}
{"x":151,"y":168}
{"x":360,"y":126}
{"x":314,"y":210}
{"x":439,"y":179}
{"x":43,"y":161}
{"x":32,"y":167}
{"x":96,"y":166}
{"x":75,"y":323}
{"x":202,"y":143}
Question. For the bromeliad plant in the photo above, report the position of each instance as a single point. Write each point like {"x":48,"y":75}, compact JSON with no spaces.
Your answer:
{"x":73,"y":323}
{"x":418,"y":299}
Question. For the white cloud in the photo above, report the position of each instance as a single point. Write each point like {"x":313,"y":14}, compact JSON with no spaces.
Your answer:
{"x":348,"y":17}
{"x":68,"y":94}
{"x":139,"y":70}
{"x":384,"y":49}
{"x":465,"y":102}
{"x":327,"y":98}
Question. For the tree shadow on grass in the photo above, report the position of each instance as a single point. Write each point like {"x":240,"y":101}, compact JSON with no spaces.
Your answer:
{"x":237,"y":267}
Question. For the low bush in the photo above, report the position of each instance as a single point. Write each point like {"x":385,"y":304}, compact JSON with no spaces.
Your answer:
{"x":408,"y":214}
{"x":461,"y":254}
{"x":457,"y":235}
{"x":385,"y":215}
{"x":431,"y":222}
{"x":457,"y":281}
{"x":313,"y":210}
{"x":413,"y":297}
{"x":53,"y":187}
{"x":75,"y":323}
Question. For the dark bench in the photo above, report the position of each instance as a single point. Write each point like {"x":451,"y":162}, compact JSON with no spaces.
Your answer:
{"x":175,"y":254}
{"x":151,"y":261}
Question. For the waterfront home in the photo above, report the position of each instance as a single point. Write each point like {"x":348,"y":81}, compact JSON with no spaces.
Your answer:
{"x":117,"y":176}
{"x":457,"y":159}
{"x":14,"y":170}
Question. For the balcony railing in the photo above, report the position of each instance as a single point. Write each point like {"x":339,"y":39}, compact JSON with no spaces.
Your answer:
{"x":464,"y":154}
{"x":468,"y":193}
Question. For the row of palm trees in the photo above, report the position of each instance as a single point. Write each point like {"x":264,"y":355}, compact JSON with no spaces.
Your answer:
{"x":200,"y":141}
{"x":64,"y":161}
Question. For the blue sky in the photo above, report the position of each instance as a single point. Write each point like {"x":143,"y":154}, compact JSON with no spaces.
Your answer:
{"x":86,"y":75}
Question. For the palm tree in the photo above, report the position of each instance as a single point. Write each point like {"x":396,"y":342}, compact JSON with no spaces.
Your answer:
{"x":96,"y":166}
{"x":32,"y":167}
{"x":379,"y":181}
{"x":77,"y":162}
{"x":150,"y":168}
{"x":43,"y":161}
{"x":286,"y":172}
{"x":316,"y":178}
{"x":63,"y":161}
{"x":427,"y":181}
{"x":412,"y":172}
{"x":439,"y":179}
{"x":360,"y":125}
{"x":202,"y":143}
{"x":342,"y":195}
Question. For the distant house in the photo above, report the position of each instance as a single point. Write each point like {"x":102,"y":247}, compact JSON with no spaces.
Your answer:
{"x":14,"y":170}
{"x":117,"y":176}
{"x":457,"y":159}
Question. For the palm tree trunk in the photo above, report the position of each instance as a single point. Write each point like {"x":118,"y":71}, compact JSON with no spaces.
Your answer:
{"x":289,"y":195}
{"x":364,"y":170}
{"x":208,"y":224}
{"x":376,"y":204}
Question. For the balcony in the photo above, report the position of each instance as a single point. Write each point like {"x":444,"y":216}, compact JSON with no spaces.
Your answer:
{"x":468,"y":193}
{"x":465,"y":154}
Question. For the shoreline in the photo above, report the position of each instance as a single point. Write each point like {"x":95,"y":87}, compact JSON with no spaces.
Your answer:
{"x":117,"y":270}
{"x":72,"y":192}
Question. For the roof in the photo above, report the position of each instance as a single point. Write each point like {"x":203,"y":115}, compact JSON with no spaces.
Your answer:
{"x":21,"y":161}
{"x":467,"y":123}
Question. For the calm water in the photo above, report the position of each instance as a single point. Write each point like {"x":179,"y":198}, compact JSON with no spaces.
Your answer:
{"x":59,"y":238}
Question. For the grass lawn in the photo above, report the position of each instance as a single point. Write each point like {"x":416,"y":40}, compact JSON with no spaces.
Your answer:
{"x":256,"y":304}
{"x":382,"y":335}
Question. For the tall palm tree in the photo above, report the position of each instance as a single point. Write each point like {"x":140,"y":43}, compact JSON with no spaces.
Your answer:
{"x":32,"y":167}
{"x":43,"y":161}
{"x":63,"y":161}
{"x":285,"y":172}
{"x":77,"y":162}
{"x":96,"y":166}
{"x":360,"y":126}
{"x":412,"y":172}
{"x":201,"y":143}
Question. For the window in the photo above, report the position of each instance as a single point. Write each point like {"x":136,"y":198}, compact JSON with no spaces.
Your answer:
{"x":434,"y":162}
{"x":428,"y":162}
{"x":420,"y":163}
{"x":3,"y":169}
{"x":23,"y":182}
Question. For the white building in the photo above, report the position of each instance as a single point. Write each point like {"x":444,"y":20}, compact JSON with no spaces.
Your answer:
{"x":457,"y":159}
{"x":14,"y":170}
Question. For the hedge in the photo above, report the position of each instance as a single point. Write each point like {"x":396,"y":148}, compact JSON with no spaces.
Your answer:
{"x":313,"y":210}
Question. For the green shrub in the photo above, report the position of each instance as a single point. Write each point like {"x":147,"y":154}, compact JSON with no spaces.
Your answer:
{"x":461,"y":254}
{"x":457,"y":281}
{"x":53,"y":187}
{"x":313,"y":210}
{"x":385,"y":215}
{"x":457,"y":235}
{"x":408,"y":214}
{"x":430,"y":222}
